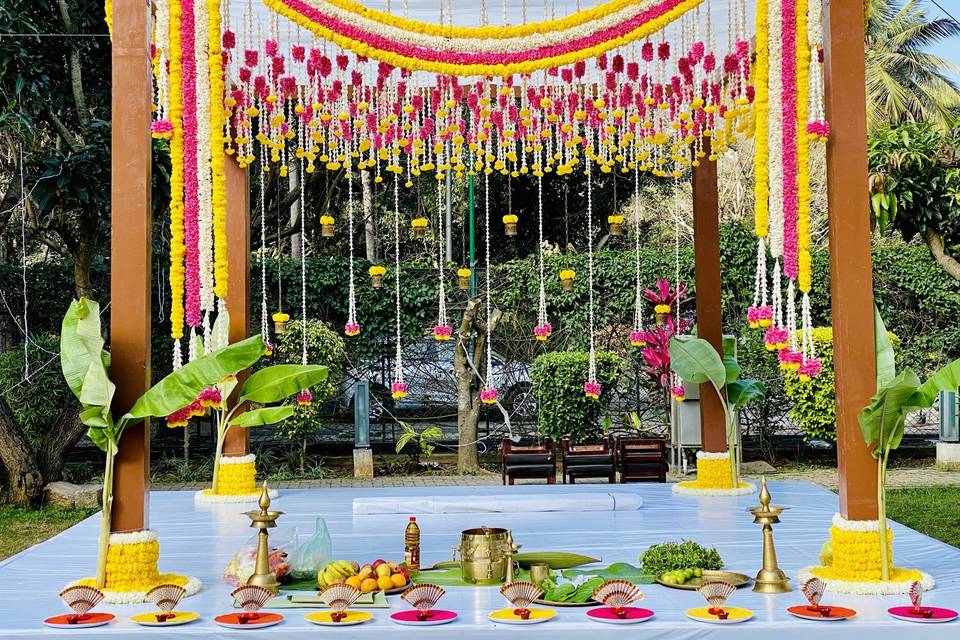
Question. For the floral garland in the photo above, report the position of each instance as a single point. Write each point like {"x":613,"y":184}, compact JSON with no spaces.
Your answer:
{"x":760,"y":314}
{"x":161,"y":126}
{"x":217,"y":142}
{"x":175,"y":115}
{"x":591,"y":388}
{"x":398,"y":389}
{"x":204,"y":183}
{"x":191,"y":185}
{"x":108,"y":16}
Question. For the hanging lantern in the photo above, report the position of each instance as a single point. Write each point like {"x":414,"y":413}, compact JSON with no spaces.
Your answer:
{"x":326,"y":226}
{"x":463,"y":278}
{"x":351,"y":329}
{"x":510,"y":224}
{"x":442,"y":332}
{"x":661,"y":311}
{"x":566,"y":279}
{"x":419,"y":226}
{"x":376,"y":275}
{"x":616,"y":225}
{"x":280,"y":320}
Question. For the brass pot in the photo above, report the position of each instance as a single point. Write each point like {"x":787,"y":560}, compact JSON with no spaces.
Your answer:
{"x":419,"y":232}
{"x":463,"y":282}
{"x":616,"y":229}
{"x":280,"y":327}
{"x":376,"y":280}
{"x":510,"y":228}
{"x":567,"y":284}
{"x":485,"y":555}
{"x":326,"y":230}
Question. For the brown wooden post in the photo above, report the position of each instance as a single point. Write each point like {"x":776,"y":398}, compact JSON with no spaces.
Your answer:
{"x":237,"y":442}
{"x":851,"y":277}
{"x":706,"y":239}
{"x":131,"y":254}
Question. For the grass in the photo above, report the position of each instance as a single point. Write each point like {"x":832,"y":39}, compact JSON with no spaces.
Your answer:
{"x":934,"y":511}
{"x":21,"y":528}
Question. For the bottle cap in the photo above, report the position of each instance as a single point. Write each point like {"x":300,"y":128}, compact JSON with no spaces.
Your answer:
{"x":413,"y":518}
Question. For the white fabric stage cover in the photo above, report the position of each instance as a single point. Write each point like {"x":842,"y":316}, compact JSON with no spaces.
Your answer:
{"x":498,"y":503}
{"x":200,"y":539}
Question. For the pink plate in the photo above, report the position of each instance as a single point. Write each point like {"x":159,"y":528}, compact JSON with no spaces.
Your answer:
{"x":633,"y":615}
{"x":85,"y":621}
{"x":409,"y":617}
{"x":937,"y":614}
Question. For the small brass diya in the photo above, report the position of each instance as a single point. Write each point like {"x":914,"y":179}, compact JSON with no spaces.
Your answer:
{"x":264,"y":519}
{"x":770,"y":579}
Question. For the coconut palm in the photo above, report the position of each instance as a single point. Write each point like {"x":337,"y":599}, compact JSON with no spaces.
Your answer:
{"x":905,"y":82}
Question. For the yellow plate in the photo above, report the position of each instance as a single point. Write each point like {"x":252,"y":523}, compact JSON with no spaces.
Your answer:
{"x":736,"y":614}
{"x":353,"y":617}
{"x":149,"y":619}
{"x":507,"y":616}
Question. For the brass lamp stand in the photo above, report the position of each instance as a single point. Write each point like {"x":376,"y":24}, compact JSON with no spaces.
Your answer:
{"x":770,"y":579}
{"x":263,"y":520}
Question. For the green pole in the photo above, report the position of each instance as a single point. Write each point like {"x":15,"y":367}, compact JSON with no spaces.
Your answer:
{"x":473,"y":243}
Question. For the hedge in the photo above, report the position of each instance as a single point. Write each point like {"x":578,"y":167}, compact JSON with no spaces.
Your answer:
{"x":558,"y":386}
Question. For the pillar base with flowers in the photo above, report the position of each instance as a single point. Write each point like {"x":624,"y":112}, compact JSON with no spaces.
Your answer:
{"x":236,"y":482}
{"x":714,"y":478}
{"x":132,"y":569}
{"x":851,"y":561}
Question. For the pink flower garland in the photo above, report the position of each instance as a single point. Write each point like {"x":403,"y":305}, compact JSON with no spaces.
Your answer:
{"x":191,"y":204}
{"x":382,"y":43}
{"x":788,"y":68}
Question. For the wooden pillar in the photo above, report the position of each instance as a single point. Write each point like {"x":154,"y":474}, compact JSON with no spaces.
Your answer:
{"x":237,"y":442}
{"x":706,"y":239}
{"x":131,"y":254}
{"x":851,"y":277}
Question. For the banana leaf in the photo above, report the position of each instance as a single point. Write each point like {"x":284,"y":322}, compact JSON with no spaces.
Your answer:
{"x":881,"y":422}
{"x":743,"y":392}
{"x":263,"y":417}
{"x":945,"y":379}
{"x":886,"y":363}
{"x":80,"y":342}
{"x":556,"y":559}
{"x":275,"y":383}
{"x":618,"y":570}
{"x":696,"y":361}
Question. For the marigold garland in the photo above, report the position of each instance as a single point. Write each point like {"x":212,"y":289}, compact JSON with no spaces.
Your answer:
{"x":217,"y":113}
{"x":803,"y":150}
{"x":177,"y":249}
{"x":761,"y":187}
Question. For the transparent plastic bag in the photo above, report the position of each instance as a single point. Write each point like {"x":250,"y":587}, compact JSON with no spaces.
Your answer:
{"x":314,"y":554}
{"x":282,"y":554}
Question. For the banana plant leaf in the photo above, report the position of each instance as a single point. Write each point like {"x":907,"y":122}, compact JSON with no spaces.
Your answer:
{"x":946,"y":379}
{"x":181,"y":387}
{"x":732,"y":367}
{"x":881,"y":422}
{"x":275,"y":383}
{"x":80,"y":342}
{"x":742,"y":392}
{"x":886,"y":363}
{"x":617,"y":570}
{"x":263,"y":417}
{"x":556,"y":559}
{"x":696,"y":361}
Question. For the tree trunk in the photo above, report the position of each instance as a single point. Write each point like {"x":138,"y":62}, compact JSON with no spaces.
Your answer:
{"x":294,"y":219}
{"x":369,"y":229}
{"x":468,"y":375}
{"x":947,"y":262}
{"x":65,"y":432}
{"x":23,"y":473}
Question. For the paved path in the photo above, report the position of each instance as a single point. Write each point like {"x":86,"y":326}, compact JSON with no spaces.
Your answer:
{"x":823,"y":476}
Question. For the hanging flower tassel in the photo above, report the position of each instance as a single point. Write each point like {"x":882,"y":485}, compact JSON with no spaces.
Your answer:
{"x":592,"y":389}
{"x":442,"y":331}
{"x":305,"y":398}
{"x":760,"y":314}
{"x":210,"y":398}
{"x":678,"y":392}
{"x":351,"y":327}
{"x":544,"y":329}
{"x":637,"y":336}
{"x":398,"y":390}
{"x":488,"y":396}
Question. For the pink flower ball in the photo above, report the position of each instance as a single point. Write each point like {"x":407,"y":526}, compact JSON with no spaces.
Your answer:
{"x":488,"y":396}
{"x":591,"y":389}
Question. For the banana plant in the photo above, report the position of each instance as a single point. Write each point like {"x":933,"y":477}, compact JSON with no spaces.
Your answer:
{"x":266,"y":386}
{"x":86,"y":369}
{"x":882,"y":421}
{"x":697,"y":362}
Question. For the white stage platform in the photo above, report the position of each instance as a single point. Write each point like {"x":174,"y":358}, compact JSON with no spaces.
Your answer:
{"x":200,"y":540}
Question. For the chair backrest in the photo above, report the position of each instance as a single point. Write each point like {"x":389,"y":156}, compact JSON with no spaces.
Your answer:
{"x":641,"y":445}
{"x":604,"y":446}
{"x":527,"y":445}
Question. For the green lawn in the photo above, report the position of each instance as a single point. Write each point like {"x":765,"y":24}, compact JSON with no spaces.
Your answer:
{"x":20,"y":528}
{"x":934,"y":511}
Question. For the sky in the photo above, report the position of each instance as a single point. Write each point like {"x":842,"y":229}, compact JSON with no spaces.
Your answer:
{"x":949,"y":49}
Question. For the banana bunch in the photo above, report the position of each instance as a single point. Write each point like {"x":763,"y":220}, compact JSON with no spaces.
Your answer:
{"x":336,"y":572}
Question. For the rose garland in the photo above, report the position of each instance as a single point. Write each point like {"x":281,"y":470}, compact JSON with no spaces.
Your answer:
{"x":175,"y":116}
{"x":191,"y":206}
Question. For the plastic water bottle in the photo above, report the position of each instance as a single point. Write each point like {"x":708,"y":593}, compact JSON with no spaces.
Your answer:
{"x":411,"y":547}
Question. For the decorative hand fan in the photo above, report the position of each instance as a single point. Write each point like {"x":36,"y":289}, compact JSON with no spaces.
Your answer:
{"x":916,"y":597}
{"x":339,"y":597}
{"x":423,"y":598}
{"x":166,"y":597}
{"x":618,"y":595}
{"x":716,"y":594}
{"x":813,"y":590}
{"x":251,"y":599}
{"x":520,"y":595}
{"x":81,"y":600}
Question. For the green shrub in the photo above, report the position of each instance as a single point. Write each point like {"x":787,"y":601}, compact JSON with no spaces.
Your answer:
{"x":36,"y":403}
{"x":558,"y":379}
{"x":814,"y":408}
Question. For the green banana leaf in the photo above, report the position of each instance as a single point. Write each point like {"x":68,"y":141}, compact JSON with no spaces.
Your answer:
{"x":696,"y":361}
{"x":80,"y":342}
{"x":881,"y":422}
{"x":742,"y":392}
{"x":617,"y":570}
{"x":732,"y":367}
{"x":263,"y":417}
{"x":275,"y":383}
{"x":556,"y":559}
{"x":181,"y":387}
{"x":886,"y":363}
{"x":945,"y":379}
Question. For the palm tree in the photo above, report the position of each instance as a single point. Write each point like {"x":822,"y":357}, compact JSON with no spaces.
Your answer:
{"x":905,"y":82}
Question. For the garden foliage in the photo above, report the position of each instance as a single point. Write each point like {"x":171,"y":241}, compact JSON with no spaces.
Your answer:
{"x":558,"y":379}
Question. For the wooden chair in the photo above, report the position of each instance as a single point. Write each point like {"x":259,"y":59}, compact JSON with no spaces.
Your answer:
{"x":589,"y":460}
{"x":642,"y":459}
{"x":528,"y":459}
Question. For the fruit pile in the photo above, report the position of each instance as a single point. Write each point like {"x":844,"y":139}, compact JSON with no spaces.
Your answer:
{"x":680,"y":576}
{"x":378,"y":575}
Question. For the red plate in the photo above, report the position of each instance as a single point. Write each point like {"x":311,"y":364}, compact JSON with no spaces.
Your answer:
{"x":87,"y":621}
{"x":810,"y":613}
{"x":263,"y":619}
{"x":633,"y":615}
{"x":937,"y":614}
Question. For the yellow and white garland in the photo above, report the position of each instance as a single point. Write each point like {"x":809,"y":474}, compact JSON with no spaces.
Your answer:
{"x":713,"y":478}
{"x":236,"y":482}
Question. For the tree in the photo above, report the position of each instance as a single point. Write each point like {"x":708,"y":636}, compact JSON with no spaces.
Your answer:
{"x":905,"y":82}
{"x":470,"y":368}
{"x":915,"y":187}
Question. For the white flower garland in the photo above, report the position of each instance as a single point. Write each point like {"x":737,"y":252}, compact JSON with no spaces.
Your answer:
{"x":238,"y":459}
{"x":192,"y":586}
{"x":203,"y":497}
{"x":134,"y":537}
{"x":712,"y":455}
{"x":868,"y":588}
{"x":685,"y":489}
{"x":204,"y":177}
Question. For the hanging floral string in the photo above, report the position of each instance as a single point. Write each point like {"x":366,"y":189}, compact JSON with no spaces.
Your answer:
{"x":352,"y":327}
{"x":305,"y":397}
{"x":637,"y":335}
{"x":818,"y":129}
{"x":591,"y":388}
{"x":760,"y":314}
{"x":177,"y":247}
{"x":442,"y":331}
{"x":262,"y":255}
{"x":543,"y":329}
{"x":399,"y":388}
{"x":489,"y":393}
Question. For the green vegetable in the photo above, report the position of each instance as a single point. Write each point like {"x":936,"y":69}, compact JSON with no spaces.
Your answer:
{"x":561,"y":593}
{"x":671,"y":556}
{"x":586,"y":590}
{"x":621,"y":570}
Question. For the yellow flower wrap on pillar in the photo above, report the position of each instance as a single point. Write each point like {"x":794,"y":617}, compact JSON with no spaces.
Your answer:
{"x":714,"y":472}
{"x":238,"y":476}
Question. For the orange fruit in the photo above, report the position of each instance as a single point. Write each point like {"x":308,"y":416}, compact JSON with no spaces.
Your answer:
{"x":368,"y":585}
{"x":385,"y":583}
{"x":354,"y":581}
{"x":398,"y":579}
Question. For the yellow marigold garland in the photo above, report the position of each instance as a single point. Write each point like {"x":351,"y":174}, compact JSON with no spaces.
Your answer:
{"x":219,"y":190}
{"x":237,"y":479}
{"x":803,"y":150}
{"x":502,"y":70}
{"x":177,"y":248}
{"x":108,"y":16}
{"x":761,"y":154}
